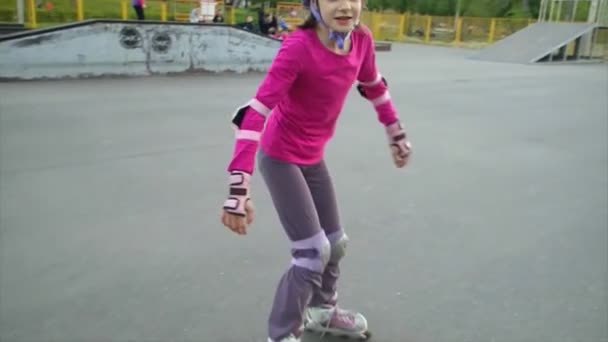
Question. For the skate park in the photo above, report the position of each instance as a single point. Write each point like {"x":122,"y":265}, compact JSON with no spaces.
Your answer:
{"x":112,"y":177}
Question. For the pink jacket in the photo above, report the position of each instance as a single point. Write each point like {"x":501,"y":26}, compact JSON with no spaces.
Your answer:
{"x":294,"y":111}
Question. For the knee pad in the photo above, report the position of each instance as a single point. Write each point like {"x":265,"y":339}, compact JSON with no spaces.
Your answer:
{"x":325,"y":252}
{"x":312,"y":253}
{"x":338,"y":248}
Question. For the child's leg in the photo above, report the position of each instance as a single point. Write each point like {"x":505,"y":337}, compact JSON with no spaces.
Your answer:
{"x":324,"y":315}
{"x":310,"y":248}
{"x":322,"y":190}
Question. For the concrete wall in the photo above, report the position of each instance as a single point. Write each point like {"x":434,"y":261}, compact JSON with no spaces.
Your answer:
{"x":133,"y":49}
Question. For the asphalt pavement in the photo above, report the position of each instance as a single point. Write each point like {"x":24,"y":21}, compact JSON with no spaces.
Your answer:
{"x":110,"y":193}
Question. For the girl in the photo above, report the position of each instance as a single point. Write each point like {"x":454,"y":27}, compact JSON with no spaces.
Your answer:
{"x":305,"y":89}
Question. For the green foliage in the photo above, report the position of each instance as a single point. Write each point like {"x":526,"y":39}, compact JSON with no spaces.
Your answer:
{"x":475,"y":8}
{"x":64,"y":11}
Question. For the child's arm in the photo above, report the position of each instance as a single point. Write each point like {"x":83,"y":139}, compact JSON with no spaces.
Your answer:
{"x":373,"y":86}
{"x":249,"y":119}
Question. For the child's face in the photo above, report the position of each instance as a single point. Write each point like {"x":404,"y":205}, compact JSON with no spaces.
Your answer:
{"x":340,"y":15}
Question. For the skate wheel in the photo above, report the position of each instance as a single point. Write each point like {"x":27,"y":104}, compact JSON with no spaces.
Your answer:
{"x":363,"y":337}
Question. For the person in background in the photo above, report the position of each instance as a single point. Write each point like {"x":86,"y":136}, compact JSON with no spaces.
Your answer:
{"x":282,"y":34}
{"x":248,"y":24}
{"x":139,"y":6}
{"x":267,"y":22}
{"x":196,"y":15}
{"x":218,"y":18}
{"x":282,"y":25}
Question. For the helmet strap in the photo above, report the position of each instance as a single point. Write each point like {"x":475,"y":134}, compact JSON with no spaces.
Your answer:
{"x":338,"y":37}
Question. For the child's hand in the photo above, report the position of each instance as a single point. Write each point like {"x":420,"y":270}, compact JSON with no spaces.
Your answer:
{"x":401,"y":148}
{"x":236,"y":222}
{"x":400,"y":158}
{"x":238,"y":209}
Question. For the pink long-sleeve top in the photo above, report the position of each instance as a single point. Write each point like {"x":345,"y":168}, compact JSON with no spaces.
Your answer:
{"x":294,"y":111}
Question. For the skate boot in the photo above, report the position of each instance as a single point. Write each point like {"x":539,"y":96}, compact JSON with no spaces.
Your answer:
{"x":335,"y":321}
{"x":289,"y":338}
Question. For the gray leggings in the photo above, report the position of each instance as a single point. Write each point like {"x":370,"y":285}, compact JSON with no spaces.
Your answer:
{"x":305,"y":202}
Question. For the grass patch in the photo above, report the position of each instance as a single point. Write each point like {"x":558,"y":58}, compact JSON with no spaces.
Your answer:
{"x":64,"y":11}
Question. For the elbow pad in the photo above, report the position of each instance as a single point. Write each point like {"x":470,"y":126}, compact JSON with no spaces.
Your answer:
{"x":361,"y":86}
{"x":239,"y":113}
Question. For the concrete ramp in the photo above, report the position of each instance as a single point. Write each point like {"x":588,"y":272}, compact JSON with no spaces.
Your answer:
{"x":534,"y":42}
{"x":11,"y":28}
{"x":132,"y":48}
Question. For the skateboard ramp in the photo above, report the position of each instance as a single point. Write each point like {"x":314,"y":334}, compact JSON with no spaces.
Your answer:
{"x":11,"y":28}
{"x":132,"y":48}
{"x":534,"y":42}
